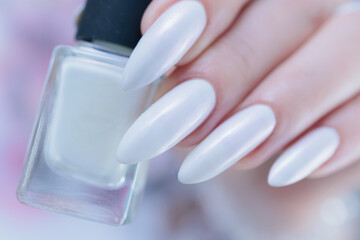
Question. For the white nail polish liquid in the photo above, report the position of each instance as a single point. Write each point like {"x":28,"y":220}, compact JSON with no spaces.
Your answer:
{"x":90,"y":114}
{"x":71,"y":164}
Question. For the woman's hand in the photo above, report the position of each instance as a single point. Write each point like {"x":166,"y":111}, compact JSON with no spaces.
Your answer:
{"x":252,"y":78}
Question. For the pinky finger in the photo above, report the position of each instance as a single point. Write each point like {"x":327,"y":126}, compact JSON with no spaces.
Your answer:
{"x":327,"y":148}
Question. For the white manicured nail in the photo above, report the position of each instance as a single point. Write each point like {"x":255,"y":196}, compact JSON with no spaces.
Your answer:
{"x":164,"y":43}
{"x":228,"y":143}
{"x":304,"y":156}
{"x":167,"y":121}
{"x":348,"y":8}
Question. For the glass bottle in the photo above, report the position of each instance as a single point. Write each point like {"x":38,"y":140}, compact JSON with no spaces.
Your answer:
{"x":71,"y":164}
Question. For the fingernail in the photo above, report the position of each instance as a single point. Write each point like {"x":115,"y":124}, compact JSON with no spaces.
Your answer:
{"x":164,"y":43}
{"x":304,"y":156}
{"x":347,"y":8}
{"x":228,"y":143}
{"x":167,"y":121}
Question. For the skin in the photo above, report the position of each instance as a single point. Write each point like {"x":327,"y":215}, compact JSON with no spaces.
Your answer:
{"x":296,"y":56}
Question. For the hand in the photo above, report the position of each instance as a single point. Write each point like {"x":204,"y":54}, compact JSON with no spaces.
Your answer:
{"x":252,"y":78}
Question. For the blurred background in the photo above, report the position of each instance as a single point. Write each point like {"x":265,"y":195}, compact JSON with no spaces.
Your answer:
{"x":234,"y":206}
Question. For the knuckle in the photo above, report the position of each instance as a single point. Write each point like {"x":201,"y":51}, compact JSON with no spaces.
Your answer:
{"x":312,"y":13}
{"x":241,"y":56}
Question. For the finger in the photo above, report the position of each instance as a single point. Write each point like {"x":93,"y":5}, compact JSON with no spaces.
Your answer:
{"x":266,"y":33}
{"x":330,"y":147}
{"x":310,"y":84}
{"x":346,"y":121}
{"x":220,"y":16}
{"x":301,"y":91}
{"x":167,"y":121}
{"x":172,"y":34}
{"x":304,"y":156}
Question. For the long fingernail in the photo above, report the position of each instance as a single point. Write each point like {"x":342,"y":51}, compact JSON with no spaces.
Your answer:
{"x":303,"y":157}
{"x":228,"y":143}
{"x":167,"y":121}
{"x":164,"y":43}
{"x":348,"y":8}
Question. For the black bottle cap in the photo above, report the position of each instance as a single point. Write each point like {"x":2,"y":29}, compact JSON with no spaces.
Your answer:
{"x":113,"y":21}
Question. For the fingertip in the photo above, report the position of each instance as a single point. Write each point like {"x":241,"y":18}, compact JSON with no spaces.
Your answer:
{"x":277,"y":180}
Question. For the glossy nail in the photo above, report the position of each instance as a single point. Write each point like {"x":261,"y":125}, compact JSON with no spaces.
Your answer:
{"x":228,"y":143}
{"x":304,"y":156}
{"x":167,"y":121}
{"x":164,"y":43}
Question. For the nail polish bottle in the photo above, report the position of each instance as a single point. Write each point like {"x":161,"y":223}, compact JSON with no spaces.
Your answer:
{"x":71,"y":164}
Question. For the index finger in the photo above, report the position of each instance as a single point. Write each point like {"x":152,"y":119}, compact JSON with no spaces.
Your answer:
{"x":172,"y":35}
{"x":220,"y":15}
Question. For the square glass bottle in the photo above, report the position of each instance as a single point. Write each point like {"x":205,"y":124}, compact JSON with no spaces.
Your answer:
{"x":71,"y":164}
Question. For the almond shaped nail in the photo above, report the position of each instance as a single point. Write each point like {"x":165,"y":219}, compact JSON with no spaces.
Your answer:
{"x":167,"y":121}
{"x":164,"y":43}
{"x":228,"y":143}
{"x":304,"y":157}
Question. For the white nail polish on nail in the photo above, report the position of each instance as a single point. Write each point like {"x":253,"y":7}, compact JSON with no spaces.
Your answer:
{"x":304,"y":156}
{"x":228,"y":143}
{"x":347,"y":8}
{"x":167,"y":121}
{"x":164,"y":43}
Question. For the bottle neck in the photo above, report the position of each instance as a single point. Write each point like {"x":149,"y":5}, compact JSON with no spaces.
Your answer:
{"x":107,"y":47}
